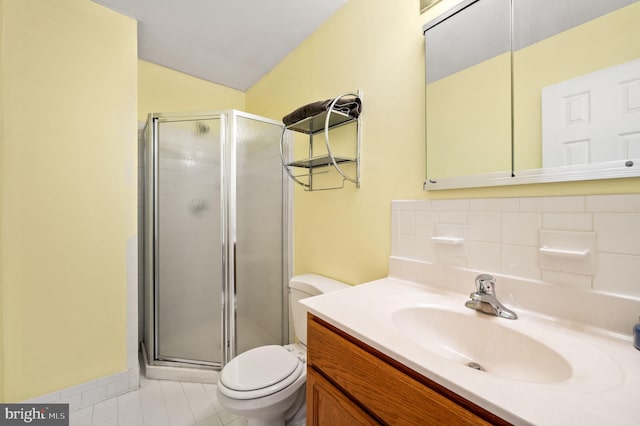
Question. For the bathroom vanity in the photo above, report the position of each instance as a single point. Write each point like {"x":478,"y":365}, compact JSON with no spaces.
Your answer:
{"x":405,"y":350}
{"x":349,"y":382}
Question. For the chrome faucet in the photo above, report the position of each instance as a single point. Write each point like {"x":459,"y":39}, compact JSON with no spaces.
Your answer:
{"x":484,"y":298}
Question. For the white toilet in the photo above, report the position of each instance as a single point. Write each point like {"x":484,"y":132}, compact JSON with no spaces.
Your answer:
{"x":266,"y":385}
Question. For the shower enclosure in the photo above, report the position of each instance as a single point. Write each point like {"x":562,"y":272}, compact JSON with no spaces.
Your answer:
{"x":215,"y":243}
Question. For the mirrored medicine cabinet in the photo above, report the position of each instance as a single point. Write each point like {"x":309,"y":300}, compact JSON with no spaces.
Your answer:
{"x":532,"y":91}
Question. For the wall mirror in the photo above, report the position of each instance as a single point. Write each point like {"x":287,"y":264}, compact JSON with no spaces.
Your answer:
{"x":560,"y":102}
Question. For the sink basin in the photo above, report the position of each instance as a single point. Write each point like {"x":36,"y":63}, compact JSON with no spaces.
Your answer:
{"x":481,"y":342}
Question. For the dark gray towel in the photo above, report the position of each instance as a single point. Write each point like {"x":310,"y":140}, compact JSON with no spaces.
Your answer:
{"x":351,"y":105}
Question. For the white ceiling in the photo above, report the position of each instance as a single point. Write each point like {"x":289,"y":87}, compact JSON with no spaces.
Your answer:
{"x":229,"y":42}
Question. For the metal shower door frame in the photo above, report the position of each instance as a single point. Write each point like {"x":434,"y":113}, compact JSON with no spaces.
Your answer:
{"x":153,"y":243}
{"x":228,"y":173}
{"x":286,"y":266}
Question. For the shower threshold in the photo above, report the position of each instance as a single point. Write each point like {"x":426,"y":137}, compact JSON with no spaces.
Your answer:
{"x":180,"y":373}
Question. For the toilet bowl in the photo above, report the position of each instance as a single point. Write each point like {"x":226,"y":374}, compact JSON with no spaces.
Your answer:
{"x":266,"y":385}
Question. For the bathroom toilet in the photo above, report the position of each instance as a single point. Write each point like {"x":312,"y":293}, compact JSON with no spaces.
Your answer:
{"x":266,"y":385}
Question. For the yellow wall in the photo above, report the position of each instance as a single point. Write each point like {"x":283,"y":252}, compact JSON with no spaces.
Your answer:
{"x":375,"y":46}
{"x":68,"y":187}
{"x":161,"y":89}
{"x":601,"y":43}
{"x":479,"y":96}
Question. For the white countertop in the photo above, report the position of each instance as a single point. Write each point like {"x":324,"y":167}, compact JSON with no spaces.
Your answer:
{"x":603,"y":390}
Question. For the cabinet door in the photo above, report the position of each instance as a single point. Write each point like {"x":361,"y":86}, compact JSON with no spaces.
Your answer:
{"x":326,"y":405}
{"x":394,"y":396}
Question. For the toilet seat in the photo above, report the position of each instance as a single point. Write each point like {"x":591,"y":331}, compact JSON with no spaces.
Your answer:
{"x":259,"y":372}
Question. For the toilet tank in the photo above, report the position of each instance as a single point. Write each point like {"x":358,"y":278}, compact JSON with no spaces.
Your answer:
{"x":303,"y":286}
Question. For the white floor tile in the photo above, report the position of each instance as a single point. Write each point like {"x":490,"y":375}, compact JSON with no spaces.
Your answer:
{"x":131,"y":418}
{"x":79,"y":414}
{"x":213,"y":420}
{"x":199,"y":401}
{"x":211,"y":391}
{"x":239,"y":421}
{"x":82,"y":421}
{"x":159,"y":403}
{"x":227,"y":417}
{"x":176,"y":403}
{"x":129,"y":402}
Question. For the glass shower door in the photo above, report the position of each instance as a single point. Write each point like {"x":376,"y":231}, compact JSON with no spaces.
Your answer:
{"x":189,"y":240}
{"x":258,"y":195}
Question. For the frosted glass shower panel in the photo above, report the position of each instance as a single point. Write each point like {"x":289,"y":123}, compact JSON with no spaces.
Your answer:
{"x":189,"y":284}
{"x":259,"y":234}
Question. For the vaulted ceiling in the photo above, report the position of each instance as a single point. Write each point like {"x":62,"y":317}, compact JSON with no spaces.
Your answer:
{"x":229,"y":42}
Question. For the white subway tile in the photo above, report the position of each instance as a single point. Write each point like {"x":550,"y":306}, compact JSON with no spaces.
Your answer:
{"x":451,"y":230}
{"x":618,"y":274}
{"x":406,"y":222}
{"x":77,"y":389}
{"x":484,"y":227}
{"x":112,"y":378}
{"x":560,"y":247}
{"x":520,"y":261}
{"x":627,"y":203}
{"x":405,"y":246}
{"x":458,"y":261}
{"x":134,"y":372}
{"x":553,"y":204}
{"x":450,"y":205}
{"x":424,"y":249}
{"x":568,"y":221}
{"x":75,"y":402}
{"x":94,"y":395}
{"x":460,"y":218}
{"x":618,"y":233}
{"x":494,"y":205}
{"x":483,"y":256}
{"x":134,"y":382}
{"x":425,"y":223}
{"x":117,"y":388}
{"x":521,"y":228}
{"x":504,"y":234}
{"x":568,"y":280}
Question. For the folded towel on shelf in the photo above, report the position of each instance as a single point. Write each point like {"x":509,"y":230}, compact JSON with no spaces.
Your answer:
{"x":351,"y":105}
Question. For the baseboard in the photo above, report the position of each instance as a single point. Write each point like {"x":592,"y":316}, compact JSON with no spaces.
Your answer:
{"x":94,"y":391}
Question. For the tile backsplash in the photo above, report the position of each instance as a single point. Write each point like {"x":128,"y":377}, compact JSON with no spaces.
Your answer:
{"x":589,"y":242}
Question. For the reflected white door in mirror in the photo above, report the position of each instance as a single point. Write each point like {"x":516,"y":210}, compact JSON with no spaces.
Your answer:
{"x":549,"y":92}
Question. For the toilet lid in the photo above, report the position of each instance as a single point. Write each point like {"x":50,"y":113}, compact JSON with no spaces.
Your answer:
{"x":264,"y":367}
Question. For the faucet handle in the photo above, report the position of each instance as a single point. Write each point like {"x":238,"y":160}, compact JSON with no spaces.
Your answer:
{"x":485,"y":283}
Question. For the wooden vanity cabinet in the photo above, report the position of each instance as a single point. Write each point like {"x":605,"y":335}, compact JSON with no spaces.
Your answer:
{"x":350,"y":383}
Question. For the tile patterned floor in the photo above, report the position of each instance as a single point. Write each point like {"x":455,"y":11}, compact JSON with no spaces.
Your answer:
{"x":159,"y":403}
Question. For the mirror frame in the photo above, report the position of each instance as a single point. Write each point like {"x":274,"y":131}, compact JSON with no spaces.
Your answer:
{"x":582,"y":172}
